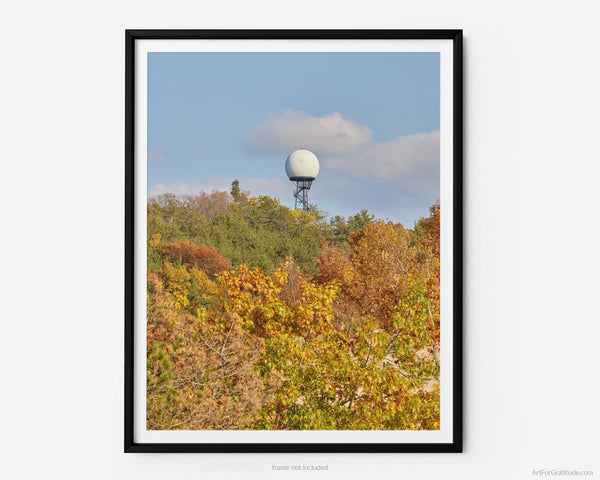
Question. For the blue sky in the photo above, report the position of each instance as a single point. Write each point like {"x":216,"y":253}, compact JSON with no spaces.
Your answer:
{"x":372,"y":119}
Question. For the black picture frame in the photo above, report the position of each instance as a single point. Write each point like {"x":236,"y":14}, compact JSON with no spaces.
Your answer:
{"x":454,"y":36}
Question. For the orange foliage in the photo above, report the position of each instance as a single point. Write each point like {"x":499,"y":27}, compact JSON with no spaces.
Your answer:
{"x":431,"y":230}
{"x":202,"y":256}
{"x":384,"y":262}
{"x":357,"y":347}
{"x":200,"y":375}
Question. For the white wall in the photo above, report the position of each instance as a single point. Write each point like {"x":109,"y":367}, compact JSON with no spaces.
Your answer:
{"x":532,"y":115}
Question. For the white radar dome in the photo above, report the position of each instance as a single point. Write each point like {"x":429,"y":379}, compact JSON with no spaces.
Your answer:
{"x":302,"y":164}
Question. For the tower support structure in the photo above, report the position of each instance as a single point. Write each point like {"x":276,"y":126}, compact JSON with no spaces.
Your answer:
{"x":301,"y":194}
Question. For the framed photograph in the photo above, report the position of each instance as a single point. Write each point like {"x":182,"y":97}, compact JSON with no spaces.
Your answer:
{"x":293,"y":241}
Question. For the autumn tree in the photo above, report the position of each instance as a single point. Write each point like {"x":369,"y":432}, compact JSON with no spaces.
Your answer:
{"x":204,"y":257}
{"x":200,"y":374}
{"x":209,"y":205}
{"x":333,"y":376}
{"x":262,"y":317}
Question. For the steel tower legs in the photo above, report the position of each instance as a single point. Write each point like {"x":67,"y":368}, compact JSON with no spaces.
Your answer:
{"x":301,"y":194}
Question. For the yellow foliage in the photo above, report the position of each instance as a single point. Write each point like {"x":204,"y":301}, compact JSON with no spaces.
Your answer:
{"x":355,"y":348}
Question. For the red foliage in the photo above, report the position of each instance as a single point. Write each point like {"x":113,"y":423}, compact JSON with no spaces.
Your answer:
{"x":202,"y":256}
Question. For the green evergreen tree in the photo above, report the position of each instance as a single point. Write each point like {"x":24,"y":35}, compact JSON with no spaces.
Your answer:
{"x":235,"y":190}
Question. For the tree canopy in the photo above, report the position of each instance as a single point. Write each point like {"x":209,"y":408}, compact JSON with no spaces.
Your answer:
{"x":263,"y":317}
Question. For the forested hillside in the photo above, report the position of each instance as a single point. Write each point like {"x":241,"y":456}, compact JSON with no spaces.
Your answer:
{"x":263,"y":317}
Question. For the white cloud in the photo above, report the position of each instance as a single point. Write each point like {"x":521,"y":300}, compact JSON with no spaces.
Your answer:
{"x":402,"y":156}
{"x":346,"y":146}
{"x":330,"y":133}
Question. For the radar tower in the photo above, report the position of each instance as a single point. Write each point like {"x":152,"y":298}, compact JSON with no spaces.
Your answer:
{"x":302,"y":167}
